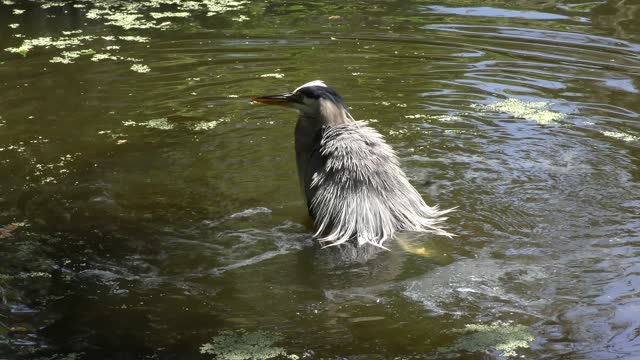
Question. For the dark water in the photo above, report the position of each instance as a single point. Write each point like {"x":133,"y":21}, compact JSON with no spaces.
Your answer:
{"x":157,"y":212}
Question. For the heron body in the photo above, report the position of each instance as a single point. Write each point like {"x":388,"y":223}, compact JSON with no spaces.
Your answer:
{"x":350,"y":177}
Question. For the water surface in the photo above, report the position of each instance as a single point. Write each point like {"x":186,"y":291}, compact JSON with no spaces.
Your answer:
{"x":148,"y":210}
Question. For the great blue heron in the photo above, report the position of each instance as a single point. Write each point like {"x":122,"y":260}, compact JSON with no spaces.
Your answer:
{"x":351,"y":179}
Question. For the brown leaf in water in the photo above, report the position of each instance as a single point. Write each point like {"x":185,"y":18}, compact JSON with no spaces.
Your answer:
{"x":7,"y":230}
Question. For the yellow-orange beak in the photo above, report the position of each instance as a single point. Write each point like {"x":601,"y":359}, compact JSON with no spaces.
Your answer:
{"x":281,"y":99}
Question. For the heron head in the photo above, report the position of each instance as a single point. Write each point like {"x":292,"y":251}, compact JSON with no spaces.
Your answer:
{"x":313,"y":99}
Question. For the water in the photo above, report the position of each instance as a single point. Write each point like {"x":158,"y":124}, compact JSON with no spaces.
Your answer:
{"x":155,"y":213}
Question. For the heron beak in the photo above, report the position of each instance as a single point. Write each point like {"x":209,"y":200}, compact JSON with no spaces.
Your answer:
{"x":281,"y":99}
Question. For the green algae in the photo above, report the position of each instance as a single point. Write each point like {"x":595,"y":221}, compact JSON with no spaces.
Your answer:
{"x":46,"y":42}
{"x":51,"y":173}
{"x":503,"y":336}
{"x":140,"y":39}
{"x":162,"y":15}
{"x":621,"y":136}
{"x":416,"y":116}
{"x":243,"y":345}
{"x":129,"y":21}
{"x":161,"y":123}
{"x":50,"y":4}
{"x":140,"y":68}
{"x":132,"y":15}
{"x":443,"y":118}
{"x":127,"y":15}
{"x":240,"y":18}
{"x":535,"y":111}
{"x":274,"y":75}
{"x":67,"y":57}
{"x":208,"y":125}
{"x":103,"y":56}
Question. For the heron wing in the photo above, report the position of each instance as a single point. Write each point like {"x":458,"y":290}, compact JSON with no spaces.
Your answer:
{"x":359,"y":190}
{"x":309,"y":162}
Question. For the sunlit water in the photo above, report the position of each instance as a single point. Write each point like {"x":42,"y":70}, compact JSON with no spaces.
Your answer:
{"x":148,"y":210}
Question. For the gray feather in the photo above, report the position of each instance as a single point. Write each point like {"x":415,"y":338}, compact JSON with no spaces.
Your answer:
{"x":360,"y":192}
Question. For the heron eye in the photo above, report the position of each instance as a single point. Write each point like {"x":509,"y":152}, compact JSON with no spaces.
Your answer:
{"x":299,"y":98}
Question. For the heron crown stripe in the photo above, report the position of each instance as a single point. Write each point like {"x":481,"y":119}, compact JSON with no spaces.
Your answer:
{"x":311,"y":83}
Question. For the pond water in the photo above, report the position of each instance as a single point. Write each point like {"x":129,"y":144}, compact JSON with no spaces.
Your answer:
{"x":149,"y":210}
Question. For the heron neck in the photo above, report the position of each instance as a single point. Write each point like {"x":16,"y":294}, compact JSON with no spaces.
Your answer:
{"x":309,"y":125}
{"x":332,"y":114}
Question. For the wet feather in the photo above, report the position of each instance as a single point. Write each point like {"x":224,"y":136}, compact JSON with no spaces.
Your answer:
{"x":361,"y":192}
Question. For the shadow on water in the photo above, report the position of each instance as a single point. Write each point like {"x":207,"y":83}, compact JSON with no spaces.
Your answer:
{"x":147,"y":210}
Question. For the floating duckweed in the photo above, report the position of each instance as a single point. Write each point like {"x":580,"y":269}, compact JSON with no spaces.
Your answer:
{"x":240,"y":18}
{"x":72,"y":32}
{"x":61,"y":60}
{"x":129,"y":15}
{"x":33,"y":274}
{"x":242,"y":345}
{"x":14,"y":26}
{"x":499,"y":335}
{"x":67,"y":57}
{"x":398,"y":132}
{"x":49,"y":173}
{"x":221,"y":6}
{"x":156,"y":15}
{"x":621,"y":136}
{"x":275,"y":75}
{"x":445,"y":117}
{"x":103,"y":56}
{"x":162,"y":124}
{"x":133,"y":38}
{"x":97,"y":13}
{"x":14,"y":147}
{"x":129,"y":21}
{"x":208,"y":125}
{"x":46,"y":42}
{"x":535,"y":111}
{"x":124,"y":14}
{"x":140,"y":68}
{"x":52,"y":4}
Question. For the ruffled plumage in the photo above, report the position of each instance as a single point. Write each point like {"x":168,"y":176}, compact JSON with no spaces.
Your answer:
{"x":361,"y":193}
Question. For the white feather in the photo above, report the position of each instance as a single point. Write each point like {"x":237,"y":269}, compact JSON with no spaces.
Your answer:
{"x":361,"y":192}
{"x":311,"y":83}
